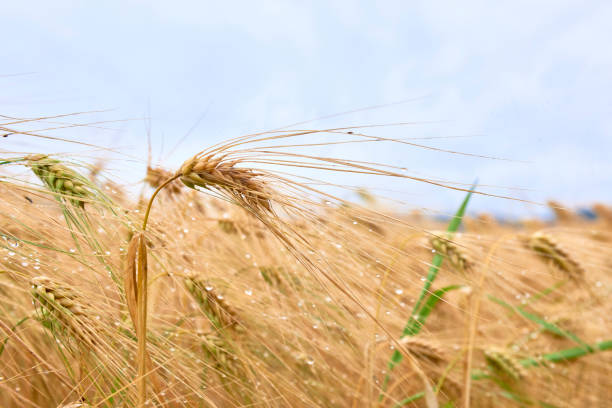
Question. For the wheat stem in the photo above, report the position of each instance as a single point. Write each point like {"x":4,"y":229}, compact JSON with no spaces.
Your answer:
{"x":157,"y":190}
{"x":141,"y":301}
{"x":141,"y":329}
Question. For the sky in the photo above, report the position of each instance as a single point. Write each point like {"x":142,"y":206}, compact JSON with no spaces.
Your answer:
{"x":525,"y":82}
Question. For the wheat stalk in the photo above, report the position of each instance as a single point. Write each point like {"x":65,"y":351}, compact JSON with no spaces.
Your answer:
{"x":136,"y":295}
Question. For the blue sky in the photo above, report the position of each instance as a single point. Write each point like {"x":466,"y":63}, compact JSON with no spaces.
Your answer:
{"x":527,"y":81}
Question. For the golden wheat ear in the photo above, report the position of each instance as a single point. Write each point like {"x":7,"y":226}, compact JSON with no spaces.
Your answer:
{"x":422,"y":348}
{"x":212,"y":304}
{"x":547,"y":247}
{"x":243,"y":185}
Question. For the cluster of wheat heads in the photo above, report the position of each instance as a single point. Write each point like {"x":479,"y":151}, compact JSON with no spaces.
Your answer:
{"x":299,"y":303}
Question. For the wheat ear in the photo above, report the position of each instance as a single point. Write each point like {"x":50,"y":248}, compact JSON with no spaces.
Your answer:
{"x":548,"y":247}
{"x":212,"y":303}
{"x":455,"y":254}
{"x":243,"y":185}
{"x":423,"y":348}
{"x":60,"y":303}
{"x":156,"y":176}
{"x":59,"y":178}
{"x":505,"y":362}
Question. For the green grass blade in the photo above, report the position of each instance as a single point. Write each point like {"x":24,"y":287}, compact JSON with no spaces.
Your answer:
{"x":567,"y":354}
{"x":416,"y":322}
{"x":453,"y":226}
{"x":551,"y":327}
{"x":410,"y":399}
{"x":16,"y":325}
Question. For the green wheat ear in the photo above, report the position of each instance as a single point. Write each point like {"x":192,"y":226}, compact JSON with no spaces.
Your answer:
{"x":505,"y":362}
{"x":58,"y":178}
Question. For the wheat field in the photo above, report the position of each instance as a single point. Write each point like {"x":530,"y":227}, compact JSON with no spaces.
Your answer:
{"x":246,"y":287}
